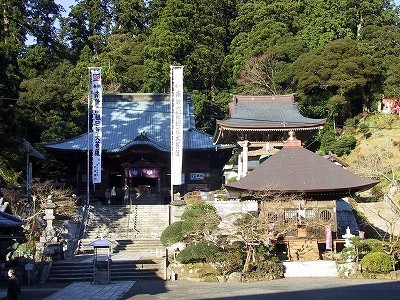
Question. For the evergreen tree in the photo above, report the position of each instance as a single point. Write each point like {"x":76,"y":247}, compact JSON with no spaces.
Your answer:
{"x":13,"y":16}
{"x":335,"y":82}
{"x":192,"y":34}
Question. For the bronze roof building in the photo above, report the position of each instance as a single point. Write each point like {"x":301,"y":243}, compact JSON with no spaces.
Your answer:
{"x":301,"y":195}
{"x":136,"y":148}
{"x":295,"y":169}
{"x":264,"y":118}
{"x":259,"y":125}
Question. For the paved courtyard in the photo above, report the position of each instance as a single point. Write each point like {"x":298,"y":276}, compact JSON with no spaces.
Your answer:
{"x":282,"y":289}
{"x":85,"y":290}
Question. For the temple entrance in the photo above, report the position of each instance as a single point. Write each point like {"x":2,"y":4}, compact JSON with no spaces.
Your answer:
{"x":145,"y":185}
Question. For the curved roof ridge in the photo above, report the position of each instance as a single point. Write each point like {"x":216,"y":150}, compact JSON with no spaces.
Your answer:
{"x":148,"y":142}
{"x":295,"y":169}
{"x":264,"y":98}
{"x":263,"y":113}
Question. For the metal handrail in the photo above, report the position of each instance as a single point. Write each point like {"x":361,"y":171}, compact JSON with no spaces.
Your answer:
{"x":82,"y":227}
{"x":85,"y":220}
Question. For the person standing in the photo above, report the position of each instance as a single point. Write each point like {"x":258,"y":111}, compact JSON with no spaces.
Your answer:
{"x":113,"y":195}
{"x":107,"y":195}
{"x":126,"y":194}
{"x":13,"y":286}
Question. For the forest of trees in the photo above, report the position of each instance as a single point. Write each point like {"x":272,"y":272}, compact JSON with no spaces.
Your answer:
{"x":338,"y":56}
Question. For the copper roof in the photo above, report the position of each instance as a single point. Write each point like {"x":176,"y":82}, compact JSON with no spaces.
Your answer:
{"x":131,"y":120}
{"x":298,"y":170}
{"x":263,"y":113}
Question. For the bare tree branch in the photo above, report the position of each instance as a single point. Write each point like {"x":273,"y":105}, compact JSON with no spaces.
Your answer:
{"x":258,"y":75}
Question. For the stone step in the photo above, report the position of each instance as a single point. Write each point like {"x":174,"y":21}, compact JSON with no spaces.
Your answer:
{"x":140,"y":208}
{"x":137,"y":246}
{"x":116,"y":236}
{"x":319,"y":268}
{"x":144,"y":269}
{"x":114,"y":225}
{"x":151,"y":222}
{"x":146,"y":224}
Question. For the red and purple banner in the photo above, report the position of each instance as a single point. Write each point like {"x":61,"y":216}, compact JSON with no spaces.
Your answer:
{"x":144,"y":172}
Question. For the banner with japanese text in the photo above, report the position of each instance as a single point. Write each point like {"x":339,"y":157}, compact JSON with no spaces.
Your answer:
{"x":176,"y":124}
{"x":328,"y":237}
{"x":97,"y":107}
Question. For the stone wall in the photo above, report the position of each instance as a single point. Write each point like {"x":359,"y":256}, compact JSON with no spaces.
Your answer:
{"x":225,"y":208}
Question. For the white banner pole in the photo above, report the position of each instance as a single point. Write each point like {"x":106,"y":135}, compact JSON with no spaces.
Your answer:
{"x":176,"y":126}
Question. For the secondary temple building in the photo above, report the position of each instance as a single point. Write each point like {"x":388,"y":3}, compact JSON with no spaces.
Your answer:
{"x":136,"y":149}
{"x":259,"y":125}
{"x":300,"y":193}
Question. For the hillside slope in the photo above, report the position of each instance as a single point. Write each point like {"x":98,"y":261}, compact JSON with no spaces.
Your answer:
{"x":377,"y":154}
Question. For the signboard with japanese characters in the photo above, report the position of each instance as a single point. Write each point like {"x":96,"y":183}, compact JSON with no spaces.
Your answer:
{"x":176,"y":124}
{"x":197,"y":176}
{"x":97,"y":100}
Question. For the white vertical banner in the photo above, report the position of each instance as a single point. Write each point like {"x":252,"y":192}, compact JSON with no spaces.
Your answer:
{"x":97,"y":108}
{"x":176,"y":124}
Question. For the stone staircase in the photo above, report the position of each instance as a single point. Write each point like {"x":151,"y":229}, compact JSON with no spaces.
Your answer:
{"x":138,"y":252}
{"x":381,"y":216}
{"x":71,"y":271}
{"x":134,"y":229}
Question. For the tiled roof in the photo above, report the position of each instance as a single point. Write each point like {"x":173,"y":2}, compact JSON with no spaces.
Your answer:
{"x":7,"y":220}
{"x":264,"y":113}
{"x":298,"y":170}
{"x":139,"y":119}
{"x":278,"y":111}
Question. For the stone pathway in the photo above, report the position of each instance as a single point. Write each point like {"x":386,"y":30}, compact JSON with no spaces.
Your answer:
{"x":86,"y":291}
{"x":381,"y":216}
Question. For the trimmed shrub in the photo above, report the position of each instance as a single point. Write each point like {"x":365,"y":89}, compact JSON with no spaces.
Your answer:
{"x":228,"y":260}
{"x":205,"y":207}
{"x":363,"y":128}
{"x":344,"y":144}
{"x":193,"y":201}
{"x":266,"y":268}
{"x":197,"y":253}
{"x":371,"y":245}
{"x":199,"y":221}
{"x":377,"y":262}
{"x":351,"y":122}
{"x":172,"y":234}
{"x":367,"y":245}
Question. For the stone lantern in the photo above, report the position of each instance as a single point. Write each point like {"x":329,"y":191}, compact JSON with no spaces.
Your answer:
{"x":49,"y":232}
{"x":49,"y":207}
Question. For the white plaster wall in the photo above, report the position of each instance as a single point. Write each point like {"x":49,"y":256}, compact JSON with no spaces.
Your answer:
{"x":225,"y":208}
